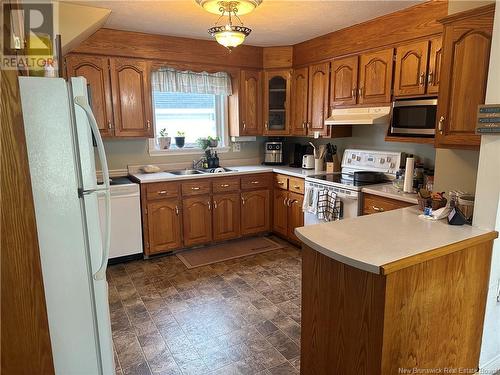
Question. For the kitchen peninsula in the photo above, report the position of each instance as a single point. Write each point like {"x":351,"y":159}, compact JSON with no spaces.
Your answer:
{"x":392,"y":291}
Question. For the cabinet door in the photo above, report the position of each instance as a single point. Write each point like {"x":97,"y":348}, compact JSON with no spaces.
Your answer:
{"x":280,"y":212}
{"x":300,"y":86}
{"x":130,"y":82}
{"x":375,"y":77}
{"x":164,"y":226}
{"x":295,"y":214}
{"x":466,"y":52}
{"x":255,"y":214}
{"x":197,"y":220}
{"x":319,"y":85}
{"x":411,"y":69}
{"x":435,"y":58}
{"x":226,"y":216}
{"x":95,"y":69}
{"x":344,"y":81}
{"x":250,"y":102}
{"x":277,"y":102}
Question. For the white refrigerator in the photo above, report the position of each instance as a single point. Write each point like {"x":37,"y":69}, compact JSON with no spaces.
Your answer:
{"x":59,"y":126}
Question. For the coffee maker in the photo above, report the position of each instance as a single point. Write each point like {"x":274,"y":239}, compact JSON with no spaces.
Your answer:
{"x":273,"y":151}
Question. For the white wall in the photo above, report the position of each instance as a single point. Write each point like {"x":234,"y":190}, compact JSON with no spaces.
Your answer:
{"x":487,"y":208}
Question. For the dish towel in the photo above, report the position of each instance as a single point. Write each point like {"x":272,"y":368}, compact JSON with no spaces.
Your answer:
{"x":326,"y":205}
{"x":310,"y":204}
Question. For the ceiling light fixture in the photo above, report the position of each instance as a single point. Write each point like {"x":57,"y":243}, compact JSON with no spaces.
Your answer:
{"x":229,"y":35}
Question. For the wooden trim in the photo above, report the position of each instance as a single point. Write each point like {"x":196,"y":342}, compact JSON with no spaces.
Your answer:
{"x":111,"y":42}
{"x":436,"y":253}
{"x":25,"y":339}
{"x":391,"y":138}
{"x":417,"y":22}
{"x":479,"y":11}
{"x":277,"y":57}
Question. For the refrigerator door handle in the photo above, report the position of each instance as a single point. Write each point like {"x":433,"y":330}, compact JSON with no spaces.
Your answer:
{"x":81,"y":101}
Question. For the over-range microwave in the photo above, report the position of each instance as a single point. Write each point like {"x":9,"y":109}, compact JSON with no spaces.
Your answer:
{"x":414,"y":117}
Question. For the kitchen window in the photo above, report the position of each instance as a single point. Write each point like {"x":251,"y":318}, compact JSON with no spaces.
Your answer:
{"x":189,"y":103}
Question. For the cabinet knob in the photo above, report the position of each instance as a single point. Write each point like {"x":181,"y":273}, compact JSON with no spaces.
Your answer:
{"x":243,"y":201}
{"x":281,"y":183}
{"x":110,"y":126}
{"x":291,"y":201}
{"x":303,"y":124}
{"x":266,"y":125}
{"x":195,"y":188}
{"x":285,"y":202}
{"x":440,"y":125}
{"x":215,"y":204}
{"x":224,"y":185}
{"x":254,"y":182}
{"x":378,"y":209}
{"x":422,"y":79}
{"x":360,"y":92}
{"x":244,"y":125}
{"x":353,"y":93}
{"x":430,"y":78}
{"x":177,"y":210}
{"x":162,"y":192}
{"x":148,"y":124}
{"x":209,"y":205}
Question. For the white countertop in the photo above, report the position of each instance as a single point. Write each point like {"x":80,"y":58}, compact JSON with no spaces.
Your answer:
{"x":389,"y":191}
{"x":166,"y":176}
{"x":372,"y":241}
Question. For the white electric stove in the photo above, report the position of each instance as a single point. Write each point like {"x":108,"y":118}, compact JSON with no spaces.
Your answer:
{"x":359,"y":168}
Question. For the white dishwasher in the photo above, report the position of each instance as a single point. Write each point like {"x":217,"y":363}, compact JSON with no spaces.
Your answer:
{"x":126,"y":226}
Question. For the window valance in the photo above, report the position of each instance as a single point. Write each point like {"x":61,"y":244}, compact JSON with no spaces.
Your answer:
{"x":171,"y":80}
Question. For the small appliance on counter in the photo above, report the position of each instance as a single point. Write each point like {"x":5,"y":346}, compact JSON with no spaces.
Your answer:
{"x":274,"y":152}
{"x":308,"y":162}
{"x":298,"y":154}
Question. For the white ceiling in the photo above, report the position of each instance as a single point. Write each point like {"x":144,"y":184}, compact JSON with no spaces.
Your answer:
{"x":273,"y":23}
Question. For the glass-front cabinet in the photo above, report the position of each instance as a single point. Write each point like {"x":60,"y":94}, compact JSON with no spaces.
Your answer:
{"x":277,"y":102}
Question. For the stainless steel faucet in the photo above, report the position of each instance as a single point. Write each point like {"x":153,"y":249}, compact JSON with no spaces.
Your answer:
{"x":198,"y":163}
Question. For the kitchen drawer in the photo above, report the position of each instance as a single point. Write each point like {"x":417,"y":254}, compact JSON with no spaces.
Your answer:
{"x":161,"y":190}
{"x":296,"y":185}
{"x":256,"y":181}
{"x":221,"y":185}
{"x":280,"y":181}
{"x":196,"y":187}
{"x":373,"y":204}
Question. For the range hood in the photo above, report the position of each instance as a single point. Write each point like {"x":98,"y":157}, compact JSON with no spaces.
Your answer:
{"x":359,"y":116}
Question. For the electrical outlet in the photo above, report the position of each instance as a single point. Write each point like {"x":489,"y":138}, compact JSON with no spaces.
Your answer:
{"x":236,"y":147}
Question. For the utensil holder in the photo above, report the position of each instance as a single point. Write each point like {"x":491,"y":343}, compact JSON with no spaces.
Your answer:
{"x":319,"y":165}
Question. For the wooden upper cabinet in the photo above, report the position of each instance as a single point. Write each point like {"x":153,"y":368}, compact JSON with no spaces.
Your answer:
{"x":411,"y":69}
{"x":300,"y":86}
{"x":255,"y":214}
{"x":197,"y":220}
{"x":226,"y":216}
{"x":95,"y":69}
{"x":277,"y":102}
{"x":344,"y":81}
{"x":164,"y":226}
{"x":434,"y":71}
{"x":375,"y":77}
{"x":319,"y":86}
{"x":464,"y":75}
{"x":250,"y":102}
{"x":131,"y":87}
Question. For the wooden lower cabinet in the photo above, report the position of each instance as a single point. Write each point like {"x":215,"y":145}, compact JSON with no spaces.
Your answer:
{"x":197,"y":220}
{"x":280,"y":212}
{"x":226,"y":216}
{"x":295,"y":214}
{"x":164,"y":226}
{"x":255,"y":217}
{"x":373,"y":204}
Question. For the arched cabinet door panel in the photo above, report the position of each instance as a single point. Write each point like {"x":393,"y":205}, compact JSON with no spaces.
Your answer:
{"x":344,"y":81}
{"x":319,"y":86}
{"x":250,"y":102}
{"x":95,"y":69}
{"x":300,"y":80}
{"x":411,"y":69}
{"x":464,"y":76}
{"x":130,"y":83}
{"x":255,"y":214}
{"x":375,"y":77}
{"x":197,"y":220}
{"x":226,"y":216}
{"x":164,"y":225}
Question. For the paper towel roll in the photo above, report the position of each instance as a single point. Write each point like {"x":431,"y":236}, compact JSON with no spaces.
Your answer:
{"x":410,"y":166}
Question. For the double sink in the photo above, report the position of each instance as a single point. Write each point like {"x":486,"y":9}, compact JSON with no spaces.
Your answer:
{"x":185,"y":172}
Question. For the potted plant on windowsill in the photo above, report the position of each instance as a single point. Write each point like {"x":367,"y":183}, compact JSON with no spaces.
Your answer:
{"x":180,"y":139}
{"x":164,"y":140}
{"x":213,"y":142}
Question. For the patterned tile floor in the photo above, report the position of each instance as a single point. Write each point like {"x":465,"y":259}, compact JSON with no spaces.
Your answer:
{"x":237,"y":317}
